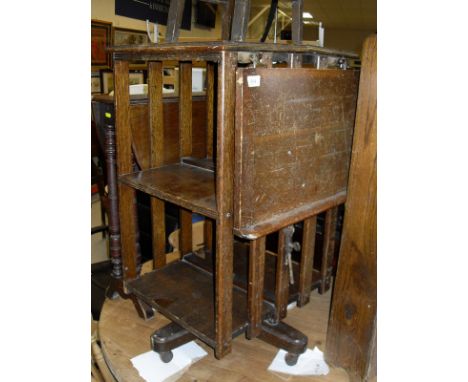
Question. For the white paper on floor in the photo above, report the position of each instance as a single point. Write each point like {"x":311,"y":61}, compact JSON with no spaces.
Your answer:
{"x":152,"y":369}
{"x":309,"y":363}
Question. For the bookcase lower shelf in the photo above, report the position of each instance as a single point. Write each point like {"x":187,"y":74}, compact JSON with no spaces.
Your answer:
{"x":185,"y":294}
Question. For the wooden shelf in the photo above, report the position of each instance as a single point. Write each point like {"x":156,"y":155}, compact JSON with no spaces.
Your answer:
{"x":186,"y":287}
{"x":205,"y":261}
{"x":187,"y":186}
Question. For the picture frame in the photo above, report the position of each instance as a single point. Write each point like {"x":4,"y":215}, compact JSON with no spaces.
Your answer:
{"x":101,"y":38}
{"x":136,"y":77}
{"x":107,"y":81}
{"x":125,"y":36}
{"x":95,"y":83}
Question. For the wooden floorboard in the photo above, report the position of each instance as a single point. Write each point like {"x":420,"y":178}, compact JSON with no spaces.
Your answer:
{"x":124,"y":335}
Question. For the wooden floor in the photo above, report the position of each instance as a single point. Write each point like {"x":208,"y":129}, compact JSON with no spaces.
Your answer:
{"x":124,"y":335}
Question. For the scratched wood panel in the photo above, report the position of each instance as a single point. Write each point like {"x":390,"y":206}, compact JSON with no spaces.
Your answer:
{"x":293,"y":141}
{"x":139,"y":120}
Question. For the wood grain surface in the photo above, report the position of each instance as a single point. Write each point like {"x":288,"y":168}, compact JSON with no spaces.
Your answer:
{"x":293,"y":142}
{"x":352,"y":340}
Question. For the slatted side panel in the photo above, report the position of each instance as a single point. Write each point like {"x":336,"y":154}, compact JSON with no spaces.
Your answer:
{"x":141,"y":133}
{"x":293,"y":136}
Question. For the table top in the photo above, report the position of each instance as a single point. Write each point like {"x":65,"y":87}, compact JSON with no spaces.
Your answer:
{"x":204,"y":47}
{"x":124,"y":335}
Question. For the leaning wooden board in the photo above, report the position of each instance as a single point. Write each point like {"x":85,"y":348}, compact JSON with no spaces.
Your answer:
{"x":294,"y":131}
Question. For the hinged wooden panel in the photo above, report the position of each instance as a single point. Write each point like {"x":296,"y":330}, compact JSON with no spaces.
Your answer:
{"x":293,"y":142}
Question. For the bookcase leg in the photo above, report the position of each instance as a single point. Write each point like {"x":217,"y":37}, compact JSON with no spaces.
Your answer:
{"x":282,"y":275}
{"x":284,"y":337}
{"x":255,"y":286}
{"x":328,"y":249}
{"x":307,"y":260}
{"x":167,"y":338}
{"x":224,"y":203}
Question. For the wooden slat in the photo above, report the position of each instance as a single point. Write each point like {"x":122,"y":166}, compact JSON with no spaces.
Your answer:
{"x":282,"y":278}
{"x":185,"y":136}
{"x":210,"y":77}
{"x":208,"y":234}
{"x":351,"y":336}
{"x":124,"y":165}
{"x":185,"y":232}
{"x":256,"y":285}
{"x":328,"y":251}
{"x":307,"y":260}
{"x":156,"y":122}
{"x":185,"y":108}
{"x":240,"y":20}
{"x":224,"y":203}
{"x":174,"y":20}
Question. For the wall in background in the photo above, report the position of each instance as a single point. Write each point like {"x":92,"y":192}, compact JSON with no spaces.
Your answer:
{"x":341,"y":39}
{"x":105,"y":10}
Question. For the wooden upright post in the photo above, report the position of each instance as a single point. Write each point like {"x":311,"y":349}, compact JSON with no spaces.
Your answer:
{"x":256,"y":284}
{"x":307,"y":260}
{"x":155,"y":84}
{"x":224,"y":203}
{"x":124,"y":166}
{"x":185,"y":134}
{"x":351,"y":338}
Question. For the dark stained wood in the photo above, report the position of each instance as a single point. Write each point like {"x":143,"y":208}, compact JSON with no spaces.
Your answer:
{"x":224,"y":202}
{"x":294,"y":163}
{"x":141,"y":134}
{"x":211,"y":51}
{"x":205,"y":163}
{"x":307,"y":260}
{"x":158,"y":232}
{"x":185,"y":109}
{"x":240,"y":20}
{"x":128,"y":226}
{"x":185,"y":137}
{"x":204,"y":260}
{"x":156,"y":112}
{"x":256,"y":283}
{"x":297,"y":24}
{"x":208,"y":234}
{"x":328,"y":251}
{"x":174,"y":20}
{"x":210,"y":78}
{"x":282,"y":278}
{"x":184,"y":289}
{"x":185,"y":232}
{"x":187,"y":186}
{"x":156,"y":122}
{"x":113,"y":200}
{"x":351,"y":336}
